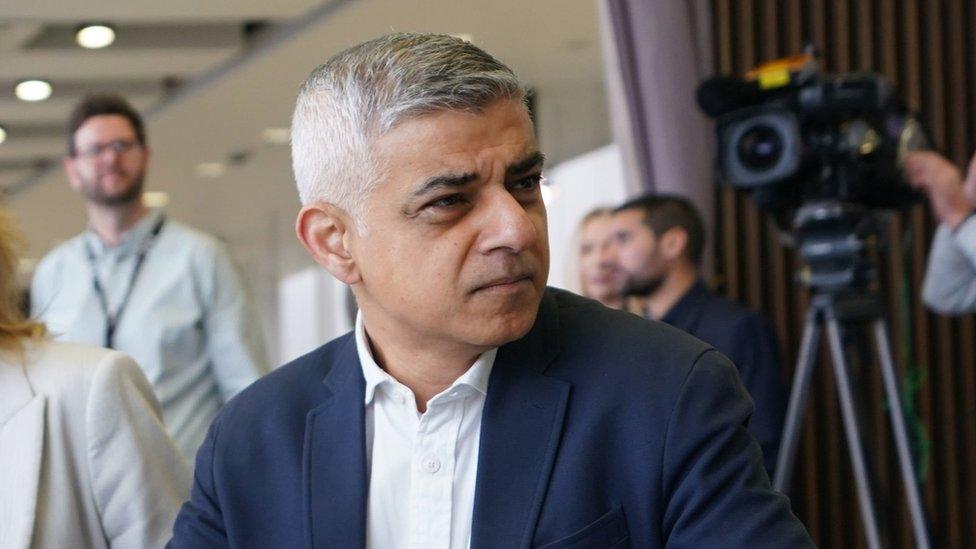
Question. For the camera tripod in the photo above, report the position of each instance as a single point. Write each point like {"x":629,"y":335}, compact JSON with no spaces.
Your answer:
{"x":837,"y":310}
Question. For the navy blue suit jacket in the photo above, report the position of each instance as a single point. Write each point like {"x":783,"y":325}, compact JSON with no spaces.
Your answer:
{"x":599,"y":430}
{"x":748,"y":340}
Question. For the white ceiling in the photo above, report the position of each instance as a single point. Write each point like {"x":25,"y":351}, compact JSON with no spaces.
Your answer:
{"x":230,"y":90}
{"x":117,"y":11}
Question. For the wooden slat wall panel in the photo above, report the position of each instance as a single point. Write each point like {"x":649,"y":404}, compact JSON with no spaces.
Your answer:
{"x":928,"y":50}
{"x":884,"y":27}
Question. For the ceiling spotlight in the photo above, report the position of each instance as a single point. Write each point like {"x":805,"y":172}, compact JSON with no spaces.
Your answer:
{"x":33,"y":90}
{"x":155,"y":199}
{"x":211,"y":169}
{"x":276,"y":136}
{"x":94,"y":37}
{"x":3,"y":134}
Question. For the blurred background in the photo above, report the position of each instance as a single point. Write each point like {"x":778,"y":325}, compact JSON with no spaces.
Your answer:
{"x":613,"y":99}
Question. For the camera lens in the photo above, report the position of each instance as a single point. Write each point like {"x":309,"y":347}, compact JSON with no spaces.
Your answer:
{"x":760,"y":147}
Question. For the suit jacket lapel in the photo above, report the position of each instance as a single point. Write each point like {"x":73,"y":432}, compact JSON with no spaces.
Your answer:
{"x":520,"y":430}
{"x":21,"y":449}
{"x":335,"y":458}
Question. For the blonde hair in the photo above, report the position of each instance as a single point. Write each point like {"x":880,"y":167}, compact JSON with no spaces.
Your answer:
{"x":600,"y":211}
{"x":15,"y":327}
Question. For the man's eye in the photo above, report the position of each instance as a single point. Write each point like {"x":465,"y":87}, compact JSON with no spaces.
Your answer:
{"x":528,"y":183}
{"x":448,"y":201}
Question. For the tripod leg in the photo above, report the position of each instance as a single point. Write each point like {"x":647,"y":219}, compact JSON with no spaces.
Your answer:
{"x":915,"y":508}
{"x":798,"y":399}
{"x":853,"y":434}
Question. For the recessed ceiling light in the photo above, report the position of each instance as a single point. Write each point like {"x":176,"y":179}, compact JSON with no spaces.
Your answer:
{"x":3,"y":134}
{"x":276,"y":136}
{"x":155,"y":199}
{"x":211,"y":169}
{"x":33,"y":90}
{"x":94,"y":37}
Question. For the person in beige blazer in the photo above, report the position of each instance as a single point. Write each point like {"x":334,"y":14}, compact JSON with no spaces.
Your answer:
{"x":85,"y":461}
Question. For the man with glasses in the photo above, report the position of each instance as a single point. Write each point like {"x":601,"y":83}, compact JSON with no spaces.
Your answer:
{"x":140,"y":282}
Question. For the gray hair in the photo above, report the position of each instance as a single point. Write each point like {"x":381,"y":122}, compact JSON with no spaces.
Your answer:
{"x":365,"y":91}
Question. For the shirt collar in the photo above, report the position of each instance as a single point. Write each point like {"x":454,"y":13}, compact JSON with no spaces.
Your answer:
{"x":683,"y":313}
{"x":131,"y":240}
{"x":476,"y":377}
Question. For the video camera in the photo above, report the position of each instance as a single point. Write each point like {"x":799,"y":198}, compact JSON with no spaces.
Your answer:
{"x":799,"y":134}
{"x":823,"y":153}
{"x":825,"y":148}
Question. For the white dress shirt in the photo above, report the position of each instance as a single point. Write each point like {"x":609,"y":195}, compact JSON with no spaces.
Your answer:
{"x":422,"y":467}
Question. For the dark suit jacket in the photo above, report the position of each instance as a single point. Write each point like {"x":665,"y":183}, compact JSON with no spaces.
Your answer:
{"x":748,"y":340}
{"x":599,"y":430}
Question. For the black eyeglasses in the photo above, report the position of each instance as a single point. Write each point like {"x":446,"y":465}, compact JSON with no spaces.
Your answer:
{"x":119,"y":147}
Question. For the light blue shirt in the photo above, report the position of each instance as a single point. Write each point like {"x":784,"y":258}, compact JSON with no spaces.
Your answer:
{"x":188,"y":322}
{"x":950,"y":279}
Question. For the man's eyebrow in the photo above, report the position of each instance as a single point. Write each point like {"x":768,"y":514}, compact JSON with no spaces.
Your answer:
{"x":448,"y":181}
{"x":453,"y":181}
{"x":525,"y":164}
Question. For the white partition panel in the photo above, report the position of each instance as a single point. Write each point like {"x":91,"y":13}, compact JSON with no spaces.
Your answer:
{"x":313,"y":308}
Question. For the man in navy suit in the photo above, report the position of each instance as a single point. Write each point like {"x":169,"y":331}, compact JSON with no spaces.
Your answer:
{"x":658,"y":244}
{"x":471,"y":406}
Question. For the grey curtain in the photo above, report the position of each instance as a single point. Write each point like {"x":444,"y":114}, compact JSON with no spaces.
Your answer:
{"x":656,"y":52}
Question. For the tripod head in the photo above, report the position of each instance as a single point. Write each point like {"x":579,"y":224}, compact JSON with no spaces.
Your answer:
{"x":838,"y":243}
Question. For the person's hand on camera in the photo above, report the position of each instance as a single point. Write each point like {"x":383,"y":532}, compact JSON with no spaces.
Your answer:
{"x":969,"y":186}
{"x":952,"y":200}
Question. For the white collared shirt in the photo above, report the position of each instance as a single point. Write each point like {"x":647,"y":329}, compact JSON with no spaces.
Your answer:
{"x":422,"y":467}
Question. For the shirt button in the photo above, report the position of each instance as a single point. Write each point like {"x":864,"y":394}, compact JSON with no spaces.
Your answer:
{"x":431,"y":464}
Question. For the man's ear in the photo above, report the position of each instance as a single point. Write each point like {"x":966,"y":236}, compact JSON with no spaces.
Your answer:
{"x":69,"y":170}
{"x":325,"y":231}
{"x":674,"y":243}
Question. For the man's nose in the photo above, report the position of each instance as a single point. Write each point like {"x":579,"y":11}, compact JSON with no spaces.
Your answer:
{"x":608,"y":252}
{"x":109,"y":155}
{"x":507,"y":225}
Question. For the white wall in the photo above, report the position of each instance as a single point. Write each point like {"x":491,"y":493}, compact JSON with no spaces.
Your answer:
{"x":311,"y":311}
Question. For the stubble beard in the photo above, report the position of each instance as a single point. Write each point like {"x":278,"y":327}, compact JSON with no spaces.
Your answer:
{"x":131,"y":194}
{"x":642,"y":287}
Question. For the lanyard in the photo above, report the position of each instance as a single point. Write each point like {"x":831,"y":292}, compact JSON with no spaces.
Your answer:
{"x":112,"y":320}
